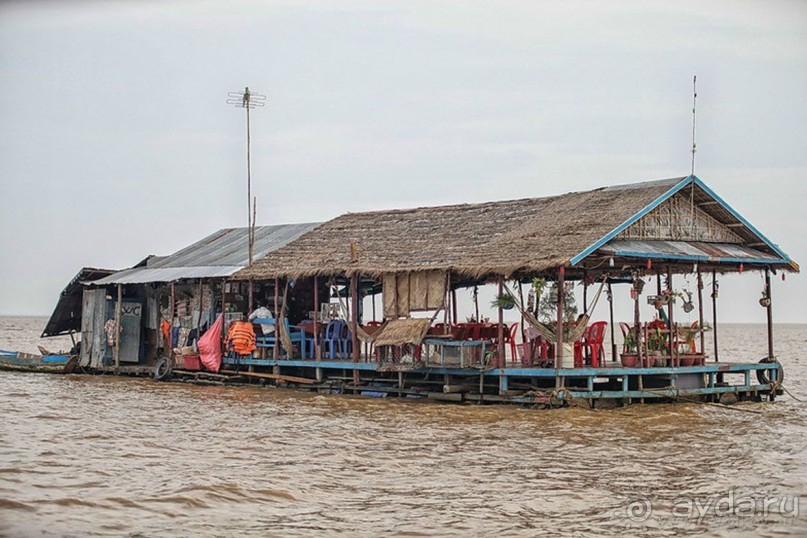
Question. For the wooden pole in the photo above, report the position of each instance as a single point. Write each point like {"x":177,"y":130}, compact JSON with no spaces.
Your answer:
{"x":373,"y":296}
{"x":453,"y":302}
{"x":559,"y":343}
{"x":250,"y":308}
{"x":585,"y":292}
{"x":671,"y":328}
{"x":317,"y":354}
{"x":173,"y":307}
{"x":354,"y":322}
{"x":700,"y":311}
{"x":118,"y":328}
{"x":476,"y":303}
{"x":199,"y":317}
{"x":769,"y":309}
{"x":501,"y":363}
{"x":637,"y":323}
{"x":714,"y":310}
{"x":611,"y":312}
{"x":275,"y":351}
{"x":521,"y":301}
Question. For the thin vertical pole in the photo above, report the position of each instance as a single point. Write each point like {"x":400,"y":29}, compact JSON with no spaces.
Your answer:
{"x":611,"y":312}
{"x":354,"y":322}
{"x":700,"y":311}
{"x":373,"y":305}
{"x":769,"y":309}
{"x":521,"y":302}
{"x":251,"y":296}
{"x":275,"y":351}
{"x":199,"y":317}
{"x":118,"y":328}
{"x":637,"y":322}
{"x":585,"y":292}
{"x":500,"y":343}
{"x":249,"y":193}
{"x":672,"y":334}
{"x":476,"y":303}
{"x":714,"y":310}
{"x":317,"y":354}
{"x":453,"y":302}
{"x":559,"y":343}
{"x":173,"y":307}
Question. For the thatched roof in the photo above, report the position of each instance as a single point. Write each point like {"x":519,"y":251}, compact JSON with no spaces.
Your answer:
{"x":472,"y":240}
{"x":402,"y":331}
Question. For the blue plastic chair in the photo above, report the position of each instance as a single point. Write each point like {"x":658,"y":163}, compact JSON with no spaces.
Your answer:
{"x":335,"y":341}
{"x":296,"y":334}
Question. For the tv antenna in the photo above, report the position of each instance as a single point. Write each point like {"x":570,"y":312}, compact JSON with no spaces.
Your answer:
{"x":694,"y":101}
{"x":248,"y":100}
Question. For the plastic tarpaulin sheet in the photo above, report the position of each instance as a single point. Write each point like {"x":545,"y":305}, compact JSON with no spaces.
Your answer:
{"x":210,"y":345}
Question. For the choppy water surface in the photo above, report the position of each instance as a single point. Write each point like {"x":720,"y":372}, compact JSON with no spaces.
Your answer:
{"x":106,"y":456}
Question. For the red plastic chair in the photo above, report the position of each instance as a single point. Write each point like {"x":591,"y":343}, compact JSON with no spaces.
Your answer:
{"x":594,"y":338}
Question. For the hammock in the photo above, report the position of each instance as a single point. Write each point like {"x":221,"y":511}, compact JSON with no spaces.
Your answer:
{"x":361,"y":333}
{"x":551,"y":336}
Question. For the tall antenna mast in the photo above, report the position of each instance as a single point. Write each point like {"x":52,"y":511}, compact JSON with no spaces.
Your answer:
{"x":248,"y":100}
{"x":694,"y":100}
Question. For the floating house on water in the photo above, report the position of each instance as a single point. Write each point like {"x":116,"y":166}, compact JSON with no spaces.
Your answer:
{"x":193,"y":283}
{"x":638,"y":238}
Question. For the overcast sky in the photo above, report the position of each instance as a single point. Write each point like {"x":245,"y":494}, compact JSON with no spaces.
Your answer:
{"x":116,"y":142}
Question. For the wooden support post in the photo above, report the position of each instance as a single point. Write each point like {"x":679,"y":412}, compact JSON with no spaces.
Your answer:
{"x":521,"y":302}
{"x":559,"y":344}
{"x":476,"y":303}
{"x":251,"y":304}
{"x":373,"y":306}
{"x":275,"y":350}
{"x":453,"y":301}
{"x":769,"y":310}
{"x":501,"y":363}
{"x":700,"y":311}
{"x":611,"y":313}
{"x":672,"y":334}
{"x":317,"y":353}
{"x":173,"y":307}
{"x":714,"y":311}
{"x":637,"y":323}
{"x":585,"y":292}
{"x":199,"y":317}
{"x":354,"y":322}
{"x":118,"y":327}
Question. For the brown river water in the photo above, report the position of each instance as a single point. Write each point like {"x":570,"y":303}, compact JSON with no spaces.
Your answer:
{"x":117,"y":456}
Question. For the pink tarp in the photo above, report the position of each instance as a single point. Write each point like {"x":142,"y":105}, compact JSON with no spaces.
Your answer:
{"x":210,"y":345}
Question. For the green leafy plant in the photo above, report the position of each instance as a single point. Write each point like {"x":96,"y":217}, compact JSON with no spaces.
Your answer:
{"x":504,"y":301}
{"x":548,"y":306}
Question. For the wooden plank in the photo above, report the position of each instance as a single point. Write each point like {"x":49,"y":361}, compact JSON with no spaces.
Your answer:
{"x":279,"y":377}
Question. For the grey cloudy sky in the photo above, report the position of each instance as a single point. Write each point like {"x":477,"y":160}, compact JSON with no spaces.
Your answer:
{"x":115,"y":141}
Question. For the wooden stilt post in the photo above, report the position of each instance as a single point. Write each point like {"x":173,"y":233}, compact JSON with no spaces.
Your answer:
{"x":637,"y":322}
{"x":769,"y":311}
{"x":714,"y":311}
{"x":118,"y":327}
{"x":354,"y":323}
{"x":611,"y":312}
{"x":559,"y":344}
{"x":672,"y":334}
{"x":700,"y":311}
{"x":275,"y":350}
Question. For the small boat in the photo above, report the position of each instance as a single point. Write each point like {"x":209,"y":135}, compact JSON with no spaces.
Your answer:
{"x":29,"y":362}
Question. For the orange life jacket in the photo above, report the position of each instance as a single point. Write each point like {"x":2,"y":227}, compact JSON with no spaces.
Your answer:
{"x":241,"y":337}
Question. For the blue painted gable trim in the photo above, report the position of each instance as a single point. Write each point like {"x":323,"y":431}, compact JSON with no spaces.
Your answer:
{"x":616,"y":231}
{"x":736,"y":215}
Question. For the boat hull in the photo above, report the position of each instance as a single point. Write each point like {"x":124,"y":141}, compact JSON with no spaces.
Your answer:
{"x":28,"y":362}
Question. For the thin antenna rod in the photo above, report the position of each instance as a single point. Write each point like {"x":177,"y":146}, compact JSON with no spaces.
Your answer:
{"x":694,"y":100}
{"x":248,"y":100}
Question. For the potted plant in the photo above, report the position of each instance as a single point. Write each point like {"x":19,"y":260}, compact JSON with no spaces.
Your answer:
{"x":629,"y":355}
{"x":656,"y":348}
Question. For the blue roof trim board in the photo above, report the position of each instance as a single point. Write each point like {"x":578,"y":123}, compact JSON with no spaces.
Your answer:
{"x":737,"y":216}
{"x":785,"y":259}
{"x":616,"y":231}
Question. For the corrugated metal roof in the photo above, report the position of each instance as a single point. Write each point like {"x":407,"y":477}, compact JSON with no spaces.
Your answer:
{"x":688,"y":250}
{"x":218,"y":255}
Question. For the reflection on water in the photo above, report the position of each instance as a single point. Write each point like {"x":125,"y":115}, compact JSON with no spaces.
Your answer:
{"x":121,"y":456}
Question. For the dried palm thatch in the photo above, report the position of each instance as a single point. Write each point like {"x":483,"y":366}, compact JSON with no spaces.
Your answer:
{"x":402,"y":331}
{"x":471,"y":240}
